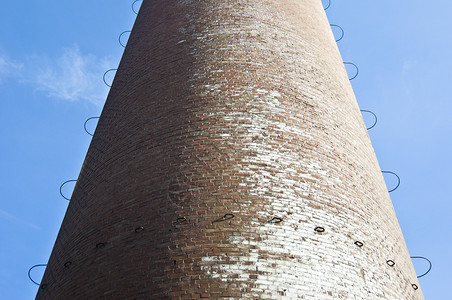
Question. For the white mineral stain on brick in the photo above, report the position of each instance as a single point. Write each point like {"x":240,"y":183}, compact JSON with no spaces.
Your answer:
{"x":289,"y":181}
{"x":261,"y":91}
{"x":277,"y":240}
{"x":287,"y":176}
{"x":323,"y":256}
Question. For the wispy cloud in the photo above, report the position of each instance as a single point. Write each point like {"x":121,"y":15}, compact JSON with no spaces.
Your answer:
{"x":409,"y":68}
{"x":12,"y":218}
{"x":8,"y":67}
{"x":73,"y":76}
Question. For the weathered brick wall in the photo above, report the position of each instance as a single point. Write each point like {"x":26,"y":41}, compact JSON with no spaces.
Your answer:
{"x":231,"y":131}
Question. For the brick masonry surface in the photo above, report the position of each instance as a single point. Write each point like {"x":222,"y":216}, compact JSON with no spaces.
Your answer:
{"x":230,"y":133}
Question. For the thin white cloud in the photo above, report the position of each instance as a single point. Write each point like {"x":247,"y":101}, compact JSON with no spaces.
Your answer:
{"x":6,"y":215}
{"x":13,"y":219}
{"x":72,"y":77}
{"x":409,"y":68}
{"x":8,"y":67}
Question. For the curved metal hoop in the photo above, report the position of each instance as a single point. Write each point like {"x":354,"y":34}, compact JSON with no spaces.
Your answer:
{"x":224,"y":218}
{"x":61,"y":187}
{"x":356,"y":67}
{"x":133,"y":6}
{"x":106,"y":74}
{"x":181,"y":220}
{"x":342,"y":31}
{"x":119,"y":38}
{"x":319,"y":229}
{"x":328,"y":6}
{"x":429,"y":268}
{"x":275,"y":220}
{"x":228,"y":217}
{"x":398,"y":179}
{"x":29,"y":273}
{"x":359,"y":243}
{"x":375,"y":116}
{"x":84,"y":125}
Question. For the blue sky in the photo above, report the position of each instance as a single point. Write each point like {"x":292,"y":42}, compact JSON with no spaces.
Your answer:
{"x":52,"y":58}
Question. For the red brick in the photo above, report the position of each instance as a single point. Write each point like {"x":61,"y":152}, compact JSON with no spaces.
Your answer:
{"x":236,"y":107}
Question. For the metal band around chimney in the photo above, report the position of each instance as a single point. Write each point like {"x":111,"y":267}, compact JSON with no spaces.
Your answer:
{"x":119,"y":38}
{"x":84,"y":125}
{"x":375,"y":117}
{"x":61,"y":189}
{"x":29,"y":272}
{"x":133,"y":6}
{"x":106,"y":72}
{"x":429,"y":268}
{"x":342,"y":32}
{"x":355,"y":66}
{"x":398,"y":180}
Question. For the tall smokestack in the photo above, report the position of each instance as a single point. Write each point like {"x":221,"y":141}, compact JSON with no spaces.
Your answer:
{"x":230,"y":161}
